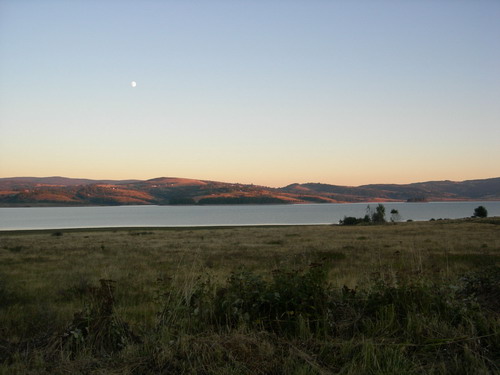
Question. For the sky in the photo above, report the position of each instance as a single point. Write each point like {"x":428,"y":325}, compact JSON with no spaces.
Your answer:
{"x":264,"y":92}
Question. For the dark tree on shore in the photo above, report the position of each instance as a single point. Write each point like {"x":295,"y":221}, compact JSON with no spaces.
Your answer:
{"x":378,"y":217}
{"x":480,"y":211}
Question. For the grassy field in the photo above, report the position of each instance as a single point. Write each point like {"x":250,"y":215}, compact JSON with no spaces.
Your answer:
{"x":405,"y":298}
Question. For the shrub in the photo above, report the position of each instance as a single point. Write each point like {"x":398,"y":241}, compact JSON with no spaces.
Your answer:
{"x":483,"y":287}
{"x":243,"y":299}
{"x":97,"y":326}
{"x":350,"y":220}
{"x":480,"y":211}
{"x":282,"y":304}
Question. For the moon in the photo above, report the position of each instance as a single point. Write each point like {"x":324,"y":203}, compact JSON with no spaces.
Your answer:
{"x":133,"y":84}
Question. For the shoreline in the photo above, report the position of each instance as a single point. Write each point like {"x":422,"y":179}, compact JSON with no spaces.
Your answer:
{"x":490,"y":220}
{"x":159,"y":228}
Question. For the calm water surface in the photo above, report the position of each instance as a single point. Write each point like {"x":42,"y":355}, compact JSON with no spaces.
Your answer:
{"x":172,"y":216}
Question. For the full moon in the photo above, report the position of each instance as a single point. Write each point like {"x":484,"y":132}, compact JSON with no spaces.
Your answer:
{"x":133,"y":83}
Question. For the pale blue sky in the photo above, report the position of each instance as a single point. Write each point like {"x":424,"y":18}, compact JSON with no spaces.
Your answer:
{"x":264,"y":92}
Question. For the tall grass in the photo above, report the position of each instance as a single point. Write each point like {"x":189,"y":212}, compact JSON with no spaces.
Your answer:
{"x":253,"y":300}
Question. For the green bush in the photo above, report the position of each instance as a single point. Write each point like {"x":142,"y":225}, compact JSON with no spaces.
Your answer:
{"x":281,"y":304}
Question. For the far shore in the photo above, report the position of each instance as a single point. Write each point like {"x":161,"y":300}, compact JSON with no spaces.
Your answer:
{"x":42,"y":205}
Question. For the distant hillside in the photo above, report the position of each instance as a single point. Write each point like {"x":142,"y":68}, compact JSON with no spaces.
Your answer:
{"x":487,"y":189}
{"x":61,"y":191}
{"x":27,"y":182}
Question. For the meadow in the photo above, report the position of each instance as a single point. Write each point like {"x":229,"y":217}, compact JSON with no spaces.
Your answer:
{"x":398,"y":298}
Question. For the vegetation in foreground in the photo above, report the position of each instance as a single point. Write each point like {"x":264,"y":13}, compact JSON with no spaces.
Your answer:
{"x":405,"y":298}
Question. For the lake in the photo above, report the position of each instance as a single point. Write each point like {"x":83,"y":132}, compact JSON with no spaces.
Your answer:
{"x":175,"y":216}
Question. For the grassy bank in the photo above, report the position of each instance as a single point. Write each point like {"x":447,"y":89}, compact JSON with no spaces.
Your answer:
{"x":409,"y":298}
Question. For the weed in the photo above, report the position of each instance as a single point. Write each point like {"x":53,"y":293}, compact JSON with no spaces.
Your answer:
{"x":97,"y":326}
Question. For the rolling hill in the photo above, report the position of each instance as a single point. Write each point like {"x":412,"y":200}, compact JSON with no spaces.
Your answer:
{"x":61,"y":191}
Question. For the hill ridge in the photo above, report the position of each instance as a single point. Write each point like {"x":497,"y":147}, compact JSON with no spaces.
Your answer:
{"x":63,"y":191}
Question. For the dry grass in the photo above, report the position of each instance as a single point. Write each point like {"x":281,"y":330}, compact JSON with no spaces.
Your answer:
{"x":44,"y":275}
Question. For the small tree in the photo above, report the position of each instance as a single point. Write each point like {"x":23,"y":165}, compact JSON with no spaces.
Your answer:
{"x":395,"y":216}
{"x":378,"y":216}
{"x":480,"y":211}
